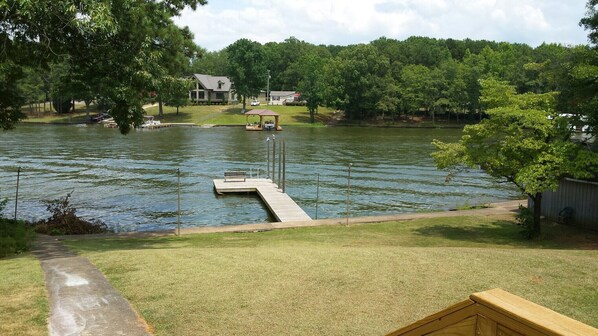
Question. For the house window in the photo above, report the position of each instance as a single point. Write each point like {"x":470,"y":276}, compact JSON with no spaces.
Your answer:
{"x":201,"y":95}
{"x":220,"y":85}
{"x":219,"y":95}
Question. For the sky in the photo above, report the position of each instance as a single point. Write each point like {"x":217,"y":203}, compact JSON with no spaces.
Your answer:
{"x":343,"y":22}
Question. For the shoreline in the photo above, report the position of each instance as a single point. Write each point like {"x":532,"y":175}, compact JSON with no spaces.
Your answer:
{"x":497,"y":208}
{"x":411,"y":125}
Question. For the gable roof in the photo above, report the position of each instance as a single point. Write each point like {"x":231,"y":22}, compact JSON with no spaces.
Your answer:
{"x":281,"y":93}
{"x":213,"y":83}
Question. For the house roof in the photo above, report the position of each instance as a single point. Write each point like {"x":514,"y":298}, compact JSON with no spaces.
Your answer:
{"x":282,"y":93}
{"x":212,"y":82}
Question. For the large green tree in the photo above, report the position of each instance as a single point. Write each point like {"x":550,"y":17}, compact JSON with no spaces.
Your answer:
{"x":583,"y":74}
{"x":247,"y":68}
{"x":311,"y":83}
{"x":122,"y":46}
{"x":355,"y":80}
{"x":523,"y":141}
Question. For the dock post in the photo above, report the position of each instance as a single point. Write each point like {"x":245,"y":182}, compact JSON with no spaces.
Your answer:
{"x":178,"y":226}
{"x":349,"y":192}
{"x":317,"y":194}
{"x":17,"y":193}
{"x":280,"y":163}
{"x":284,"y":165}
{"x":268,"y":158}
{"x":273,"y":159}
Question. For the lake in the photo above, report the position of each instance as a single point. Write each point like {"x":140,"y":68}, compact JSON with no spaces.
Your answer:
{"x":130,"y":182}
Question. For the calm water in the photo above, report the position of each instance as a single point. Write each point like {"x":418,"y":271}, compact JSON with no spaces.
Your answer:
{"x":130,"y":182}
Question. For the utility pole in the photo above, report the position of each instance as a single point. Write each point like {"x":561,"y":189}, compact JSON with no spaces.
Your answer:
{"x":268,"y":90}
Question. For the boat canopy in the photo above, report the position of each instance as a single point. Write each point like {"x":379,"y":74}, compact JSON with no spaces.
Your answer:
{"x":262,"y":113}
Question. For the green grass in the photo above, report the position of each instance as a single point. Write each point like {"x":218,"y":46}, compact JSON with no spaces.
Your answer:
{"x":231,"y":115}
{"x":55,"y":118}
{"x":361,"y":279}
{"x":23,"y":304}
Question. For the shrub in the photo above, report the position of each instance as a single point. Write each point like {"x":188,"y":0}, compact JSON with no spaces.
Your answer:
{"x":64,"y":220}
{"x":15,"y":236}
{"x":296,"y":103}
{"x":525,"y":218}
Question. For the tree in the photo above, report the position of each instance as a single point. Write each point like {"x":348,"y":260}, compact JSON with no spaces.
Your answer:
{"x":176,"y":92}
{"x":11,"y":96}
{"x":247,"y":68}
{"x":311,"y":84}
{"x":583,"y":75}
{"x":523,"y":142}
{"x":213,"y":63}
{"x":590,"y":21}
{"x":355,"y":80}
{"x":414,"y":86}
{"x":120,"y":45}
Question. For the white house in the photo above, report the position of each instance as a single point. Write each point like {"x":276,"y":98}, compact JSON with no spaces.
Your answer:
{"x":282,"y":97}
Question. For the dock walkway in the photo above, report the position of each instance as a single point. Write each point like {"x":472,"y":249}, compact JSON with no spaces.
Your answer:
{"x":280,"y":204}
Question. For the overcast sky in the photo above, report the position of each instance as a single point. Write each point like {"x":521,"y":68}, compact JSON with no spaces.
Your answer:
{"x":343,"y":22}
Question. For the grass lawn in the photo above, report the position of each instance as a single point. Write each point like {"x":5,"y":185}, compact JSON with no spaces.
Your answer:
{"x":231,"y":114}
{"x":23,"y":303}
{"x":55,"y":118}
{"x":362,"y":279}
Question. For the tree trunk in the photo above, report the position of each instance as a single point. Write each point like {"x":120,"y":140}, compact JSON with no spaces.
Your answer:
{"x":160,"y":108}
{"x":244,"y":104}
{"x":177,"y":110}
{"x":537,"y":213}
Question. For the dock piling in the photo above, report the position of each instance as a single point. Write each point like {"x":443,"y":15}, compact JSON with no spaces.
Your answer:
{"x":349,"y":192}
{"x":178,"y":226}
{"x":17,"y":193}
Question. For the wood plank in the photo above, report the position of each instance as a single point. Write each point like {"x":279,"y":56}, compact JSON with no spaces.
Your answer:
{"x":437,"y":321}
{"x":280,"y":204}
{"x":542,"y":319}
{"x":486,"y":326}
{"x":466,"y":327}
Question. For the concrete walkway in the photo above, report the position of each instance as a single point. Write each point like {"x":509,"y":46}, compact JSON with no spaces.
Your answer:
{"x":82,"y":302}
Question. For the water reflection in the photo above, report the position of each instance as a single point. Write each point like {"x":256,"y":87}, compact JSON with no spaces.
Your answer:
{"x":130,"y":181}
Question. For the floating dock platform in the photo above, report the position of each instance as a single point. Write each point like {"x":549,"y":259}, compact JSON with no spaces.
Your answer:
{"x":280,"y":204}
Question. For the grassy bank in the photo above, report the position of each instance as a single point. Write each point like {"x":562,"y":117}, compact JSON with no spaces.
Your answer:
{"x":231,"y":115}
{"x":55,"y":118}
{"x":362,"y":279}
{"x":24,"y":306}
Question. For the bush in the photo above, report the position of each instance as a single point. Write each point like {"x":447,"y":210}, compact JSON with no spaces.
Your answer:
{"x":525,"y":219}
{"x":15,"y":236}
{"x":64,"y":221}
{"x":296,"y":103}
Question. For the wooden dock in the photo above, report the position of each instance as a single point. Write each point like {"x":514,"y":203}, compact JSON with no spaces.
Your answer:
{"x":280,"y":204}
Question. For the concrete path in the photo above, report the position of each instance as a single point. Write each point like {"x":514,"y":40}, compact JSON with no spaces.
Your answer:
{"x":82,"y":302}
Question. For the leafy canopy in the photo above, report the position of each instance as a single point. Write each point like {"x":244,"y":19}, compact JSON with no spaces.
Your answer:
{"x":523,"y":141}
{"x":120,"y":48}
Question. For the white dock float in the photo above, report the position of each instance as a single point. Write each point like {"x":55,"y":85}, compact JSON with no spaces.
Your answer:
{"x":280,"y":204}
